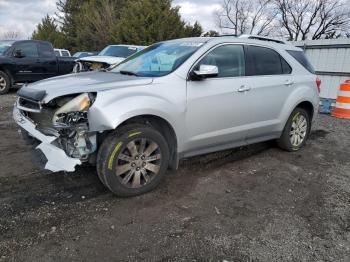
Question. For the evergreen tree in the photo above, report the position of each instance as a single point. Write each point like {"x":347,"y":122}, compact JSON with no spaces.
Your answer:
{"x":195,"y":30}
{"x":47,"y":30}
{"x":68,"y":13}
{"x":90,"y":25}
{"x":97,"y":19}
{"x":145,"y":22}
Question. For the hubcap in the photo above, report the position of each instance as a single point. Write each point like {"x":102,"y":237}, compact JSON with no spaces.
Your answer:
{"x":298,"y":130}
{"x":139,"y":163}
{"x":2,"y":83}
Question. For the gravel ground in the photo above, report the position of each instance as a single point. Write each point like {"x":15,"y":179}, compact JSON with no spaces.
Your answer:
{"x":256,"y":203}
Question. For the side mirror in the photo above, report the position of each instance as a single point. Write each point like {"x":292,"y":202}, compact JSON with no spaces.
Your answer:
{"x":206,"y":71}
{"x":18,"y":53}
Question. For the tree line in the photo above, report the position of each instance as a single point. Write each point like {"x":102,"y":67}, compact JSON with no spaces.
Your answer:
{"x":92,"y":24}
{"x":292,"y":20}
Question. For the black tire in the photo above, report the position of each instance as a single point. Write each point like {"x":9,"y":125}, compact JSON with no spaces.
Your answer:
{"x":285,"y":141}
{"x":4,"y":79}
{"x":115,"y":146}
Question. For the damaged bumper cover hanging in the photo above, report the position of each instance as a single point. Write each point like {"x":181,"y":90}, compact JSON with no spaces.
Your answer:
{"x":57,"y":159}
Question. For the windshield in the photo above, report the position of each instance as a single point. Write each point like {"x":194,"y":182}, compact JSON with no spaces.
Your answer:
{"x":159,"y":59}
{"x":118,"y":51}
{"x":4,"y":46}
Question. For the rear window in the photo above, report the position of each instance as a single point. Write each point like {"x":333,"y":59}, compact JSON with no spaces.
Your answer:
{"x":302,"y":59}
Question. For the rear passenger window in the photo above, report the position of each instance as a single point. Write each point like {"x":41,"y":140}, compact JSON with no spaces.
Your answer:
{"x":229,"y":59}
{"x":46,"y":50}
{"x":265,"y":61}
{"x":285,"y":66}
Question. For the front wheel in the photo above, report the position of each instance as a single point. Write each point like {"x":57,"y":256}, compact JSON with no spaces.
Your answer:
{"x":133,"y":160}
{"x":4,"y":83}
{"x":296,"y":131}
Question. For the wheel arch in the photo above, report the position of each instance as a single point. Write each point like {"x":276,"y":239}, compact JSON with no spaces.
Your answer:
{"x":308,"y":107}
{"x":162,"y":126}
{"x":8,"y":73}
{"x":303,"y":103}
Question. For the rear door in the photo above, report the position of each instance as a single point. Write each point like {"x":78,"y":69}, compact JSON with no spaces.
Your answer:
{"x":272,"y":83}
{"x":28,"y":67}
{"x":218,"y":109}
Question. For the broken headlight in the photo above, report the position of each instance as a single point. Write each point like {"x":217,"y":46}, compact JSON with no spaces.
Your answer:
{"x":74,"y":110}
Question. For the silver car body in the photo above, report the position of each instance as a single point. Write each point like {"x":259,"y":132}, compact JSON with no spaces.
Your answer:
{"x":206,"y":116}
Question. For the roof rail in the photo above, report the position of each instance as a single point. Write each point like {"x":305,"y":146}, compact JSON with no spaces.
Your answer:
{"x":262,"y":38}
{"x":227,"y":35}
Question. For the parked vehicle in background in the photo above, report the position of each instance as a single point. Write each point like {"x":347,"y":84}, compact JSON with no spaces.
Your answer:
{"x":29,"y":61}
{"x":84,"y":54}
{"x":111,"y":55}
{"x":62,"y":52}
{"x":4,"y":45}
{"x":173,"y":100}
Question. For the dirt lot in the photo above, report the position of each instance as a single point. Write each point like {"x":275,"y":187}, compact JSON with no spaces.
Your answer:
{"x":252,"y":204}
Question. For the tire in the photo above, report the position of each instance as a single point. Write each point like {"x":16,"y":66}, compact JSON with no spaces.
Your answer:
{"x":5,"y":83}
{"x":128,"y":170}
{"x":295,"y":133}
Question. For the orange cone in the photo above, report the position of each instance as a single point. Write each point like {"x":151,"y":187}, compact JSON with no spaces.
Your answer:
{"x":342,"y":107}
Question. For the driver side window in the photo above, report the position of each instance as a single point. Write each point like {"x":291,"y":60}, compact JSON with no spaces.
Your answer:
{"x":28,"y":49}
{"x":229,"y":59}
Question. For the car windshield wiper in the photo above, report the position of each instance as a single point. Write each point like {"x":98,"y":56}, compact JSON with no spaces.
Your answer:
{"x":130,"y":73}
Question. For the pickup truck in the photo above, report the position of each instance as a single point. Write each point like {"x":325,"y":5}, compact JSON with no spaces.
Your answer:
{"x":29,"y":61}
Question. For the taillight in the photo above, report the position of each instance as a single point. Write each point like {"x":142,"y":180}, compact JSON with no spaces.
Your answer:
{"x":318,"y":84}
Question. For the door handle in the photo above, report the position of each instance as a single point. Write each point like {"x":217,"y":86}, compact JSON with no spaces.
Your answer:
{"x":244,"y":89}
{"x":289,"y":83}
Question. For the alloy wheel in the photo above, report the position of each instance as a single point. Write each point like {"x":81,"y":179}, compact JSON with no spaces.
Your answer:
{"x":138,"y":163}
{"x":299,"y":130}
{"x":2,"y":83}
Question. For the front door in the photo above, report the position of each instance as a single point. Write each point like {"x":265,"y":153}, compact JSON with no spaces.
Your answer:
{"x":218,"y":109}
{"x":28,"y":65}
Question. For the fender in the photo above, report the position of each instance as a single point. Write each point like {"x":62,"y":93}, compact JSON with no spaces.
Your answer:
{"x":108,"y":114}
{"x":300,"y":94}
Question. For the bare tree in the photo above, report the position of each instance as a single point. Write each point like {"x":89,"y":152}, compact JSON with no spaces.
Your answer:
{"x":305,"y":19}
{"x":247,"y":16}
{"x":10,"y":35}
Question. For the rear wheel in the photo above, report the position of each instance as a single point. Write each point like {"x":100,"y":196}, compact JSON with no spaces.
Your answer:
{"x":296,"y":131}
{"x":133,"y":160}
{"x":4,"y":83}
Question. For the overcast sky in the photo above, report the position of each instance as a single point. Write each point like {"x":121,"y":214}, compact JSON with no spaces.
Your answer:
{"x":23,"y":15}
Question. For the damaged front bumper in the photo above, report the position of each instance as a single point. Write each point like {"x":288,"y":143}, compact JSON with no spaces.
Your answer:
{"x":57,"y":159}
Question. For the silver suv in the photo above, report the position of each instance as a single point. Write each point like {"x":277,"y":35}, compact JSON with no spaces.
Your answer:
{"x":172,"y":100}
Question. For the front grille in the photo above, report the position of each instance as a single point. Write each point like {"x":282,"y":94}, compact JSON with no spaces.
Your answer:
{"x":40,"y":115}
{"x":28,"y":105}
{"x":42,"y":120}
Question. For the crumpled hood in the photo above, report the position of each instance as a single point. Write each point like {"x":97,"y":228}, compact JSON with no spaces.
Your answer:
{"x":82,"y":82}
{"x":111,"y":60}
